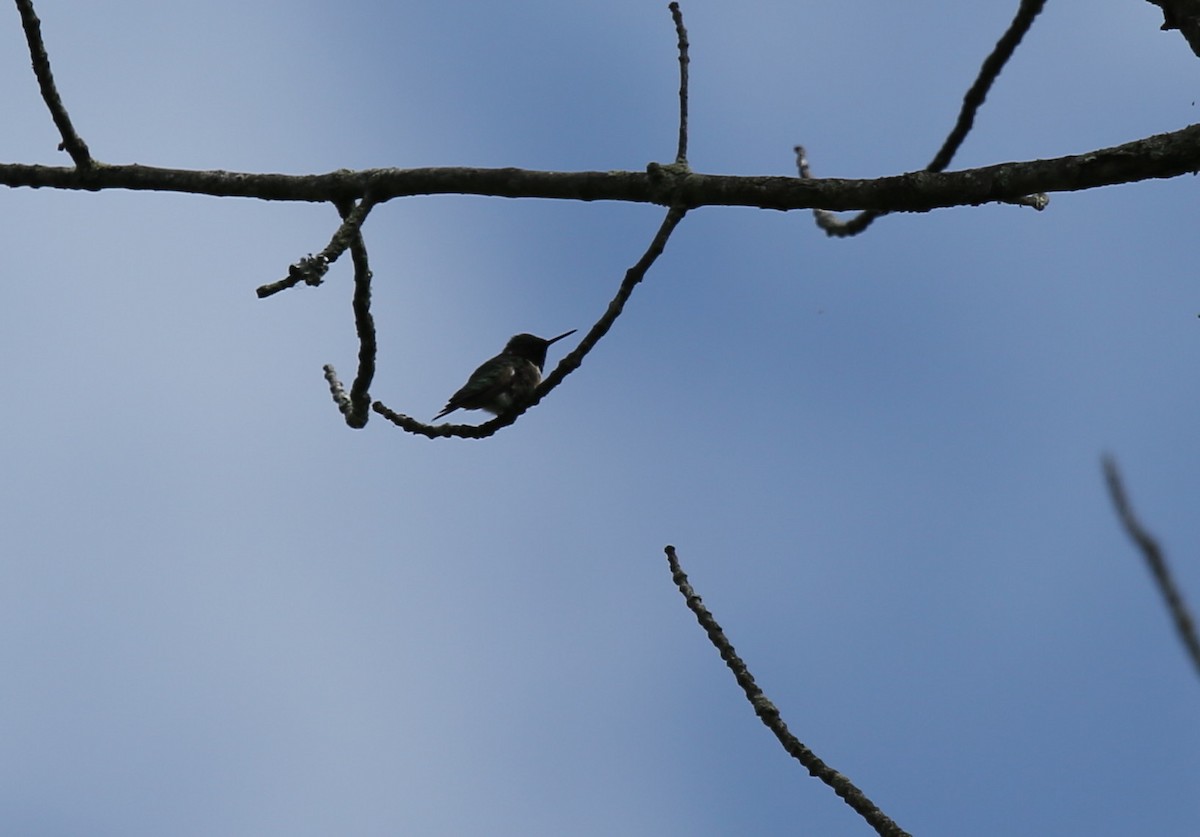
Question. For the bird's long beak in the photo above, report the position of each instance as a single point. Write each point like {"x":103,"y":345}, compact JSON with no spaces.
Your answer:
{"x":561,"y":336}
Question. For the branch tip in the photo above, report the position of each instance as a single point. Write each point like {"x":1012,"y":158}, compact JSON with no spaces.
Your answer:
{"x":684,"y":60}
{"x":1156,"y":560}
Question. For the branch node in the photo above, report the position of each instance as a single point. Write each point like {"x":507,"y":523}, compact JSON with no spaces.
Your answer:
{"x":667,"y":182}
{"x":310,"y":270}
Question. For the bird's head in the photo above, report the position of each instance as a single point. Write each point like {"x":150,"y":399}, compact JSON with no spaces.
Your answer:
{"x":532,"y":348}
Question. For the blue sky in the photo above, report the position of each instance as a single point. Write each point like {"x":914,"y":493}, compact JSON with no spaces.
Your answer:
{"x":226,"y":613}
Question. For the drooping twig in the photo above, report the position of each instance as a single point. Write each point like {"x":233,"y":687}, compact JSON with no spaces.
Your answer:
{"x":826,"y":220}
{"x":311,"y":270}
{"x":364,"y":322}
{"x":1185,"y":626}
{"x":972,"y":101}
{"x":565,"y":367}
{"x":769,"y":714}
{"x":681,"y":32}
{"x":72,"y":143}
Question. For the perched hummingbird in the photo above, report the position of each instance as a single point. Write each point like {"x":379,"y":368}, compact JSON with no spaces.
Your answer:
{"x":507,"y":379}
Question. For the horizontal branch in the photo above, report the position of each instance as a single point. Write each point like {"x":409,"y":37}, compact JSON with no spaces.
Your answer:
{"x":1160,"y":156}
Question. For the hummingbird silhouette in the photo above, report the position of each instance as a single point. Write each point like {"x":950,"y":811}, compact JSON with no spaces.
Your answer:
{"x":507,"y":379}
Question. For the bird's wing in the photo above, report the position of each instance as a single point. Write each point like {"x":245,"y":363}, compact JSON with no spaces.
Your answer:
{"x":481,"y":389}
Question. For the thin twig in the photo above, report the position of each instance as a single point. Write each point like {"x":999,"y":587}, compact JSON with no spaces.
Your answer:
{"x":769,"y":714}
{"x":972,"y":101}
{"x":338,"y":391}
{"x":311,"y":270}
{"x":565,"y":367}
{"x":681,"y":32}
{"x":1185,"y":626}
{"x":988,"y":73}
{"x":633,"y":276}
{"x":72,"y":143}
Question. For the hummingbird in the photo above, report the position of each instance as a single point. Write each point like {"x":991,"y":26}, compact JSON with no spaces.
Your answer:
{"x":507,"y":379}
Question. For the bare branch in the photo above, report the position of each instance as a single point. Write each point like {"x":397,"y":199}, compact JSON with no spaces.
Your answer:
{"x":310,"y":270}
{"x":769,"y":714}
{"x":72,"y":143}
{"x":1159,"y":156}
{"x":988,"y":73}
{"x":1185,"y":626}
{"x":681,"y":32}
{"x":972,"y":101}
{"x":565,"y":366}
{"x":633,"y":277}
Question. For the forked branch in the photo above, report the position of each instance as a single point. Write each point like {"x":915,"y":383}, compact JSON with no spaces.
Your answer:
{"x":972,"y":101}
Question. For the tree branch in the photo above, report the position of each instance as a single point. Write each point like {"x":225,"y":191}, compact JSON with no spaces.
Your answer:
{"x":988,"y":73}
{"x":1155,"y":157}
{"x":972,"y":102}
{"x":769,"y":714}
{"x":1185,"y":626}
{"x":682,"y":36}
{"x":72,"y":143}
